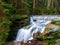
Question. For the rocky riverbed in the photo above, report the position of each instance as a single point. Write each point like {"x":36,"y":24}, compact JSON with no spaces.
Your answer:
{"x":36,"y":40}
{"x":50,"y":36}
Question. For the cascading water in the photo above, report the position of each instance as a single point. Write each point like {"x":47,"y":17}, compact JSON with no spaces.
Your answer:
{"x":37,"y":23}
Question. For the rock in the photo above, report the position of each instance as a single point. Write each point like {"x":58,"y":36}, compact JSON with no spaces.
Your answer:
{"x":50,"y":27}
{"x":35,"y":35}
{"x":10,"y":43}
{"x":58,"y":43}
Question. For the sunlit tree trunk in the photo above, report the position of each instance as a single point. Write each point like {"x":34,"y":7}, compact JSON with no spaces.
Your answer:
{"x":56,"y":6}
{"x":48,"y":4}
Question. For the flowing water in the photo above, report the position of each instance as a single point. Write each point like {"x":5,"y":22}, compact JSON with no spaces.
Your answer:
{"x":37,"y":23}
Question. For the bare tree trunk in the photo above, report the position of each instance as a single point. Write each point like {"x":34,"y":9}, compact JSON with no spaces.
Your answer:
{"x":56,"y":6}
{"x":15,"y":3}
{"x":48,"y":4}
{"x":56,"y":3}
{"x":52,"y":3}
{"x":22,"y":5}
{"x":45,"y":2}
{"x":33,"y":6}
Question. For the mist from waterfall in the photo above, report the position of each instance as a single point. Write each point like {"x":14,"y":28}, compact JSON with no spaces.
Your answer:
{"x":37,"y":23}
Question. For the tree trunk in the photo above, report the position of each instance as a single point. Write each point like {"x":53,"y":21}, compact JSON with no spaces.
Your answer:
{"x":48,"y":4}
{"x":33,"y":6}
{"x":52,"y":3}
{"x":56,"y":6}
{"x":15,"y":3}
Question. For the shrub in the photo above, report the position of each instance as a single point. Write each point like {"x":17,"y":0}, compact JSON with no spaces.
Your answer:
{"x":4,"y":29}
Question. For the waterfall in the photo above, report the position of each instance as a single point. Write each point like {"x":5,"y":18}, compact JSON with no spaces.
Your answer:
{"x":37,"y":23}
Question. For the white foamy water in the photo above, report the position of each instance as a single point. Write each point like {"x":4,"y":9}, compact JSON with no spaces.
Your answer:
{"x":37,"y":23}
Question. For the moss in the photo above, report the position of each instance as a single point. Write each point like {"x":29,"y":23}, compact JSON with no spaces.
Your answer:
{"x":55,"y":21}
{"x":18,"y":16}
{"x":51,"y":37}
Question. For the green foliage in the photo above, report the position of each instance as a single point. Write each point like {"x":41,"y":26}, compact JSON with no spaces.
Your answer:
{"x":10,"y":14}
{"x":28,"y":8}
{"x":51,"y":11}
{"x":55,"y":21}
{"x":18,"y":16}
{"x":42,"y":37}
{"x":44,"y":10}
{"x":9,"y":9}
{"x":4,"y":29}
{"x":5,"y":24}
{"x":51,"y":39}
{"x":3,"y":36}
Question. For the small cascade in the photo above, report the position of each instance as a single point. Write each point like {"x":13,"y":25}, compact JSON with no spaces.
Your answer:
{"x":37,"y":23}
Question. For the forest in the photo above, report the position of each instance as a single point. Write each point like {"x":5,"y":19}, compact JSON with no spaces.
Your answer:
{"x":15,"y":14}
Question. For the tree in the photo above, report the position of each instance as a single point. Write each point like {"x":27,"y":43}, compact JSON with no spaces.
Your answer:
{"x":48,"y":4}
{"x":34,"y":6}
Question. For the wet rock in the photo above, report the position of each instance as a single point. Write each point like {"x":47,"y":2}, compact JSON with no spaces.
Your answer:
{"x":35,"y":35}
{"x":58,"y":43}
{"x":10,"y":43}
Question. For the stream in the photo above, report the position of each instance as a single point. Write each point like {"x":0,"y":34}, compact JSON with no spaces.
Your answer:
{"x":37,"y":23}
